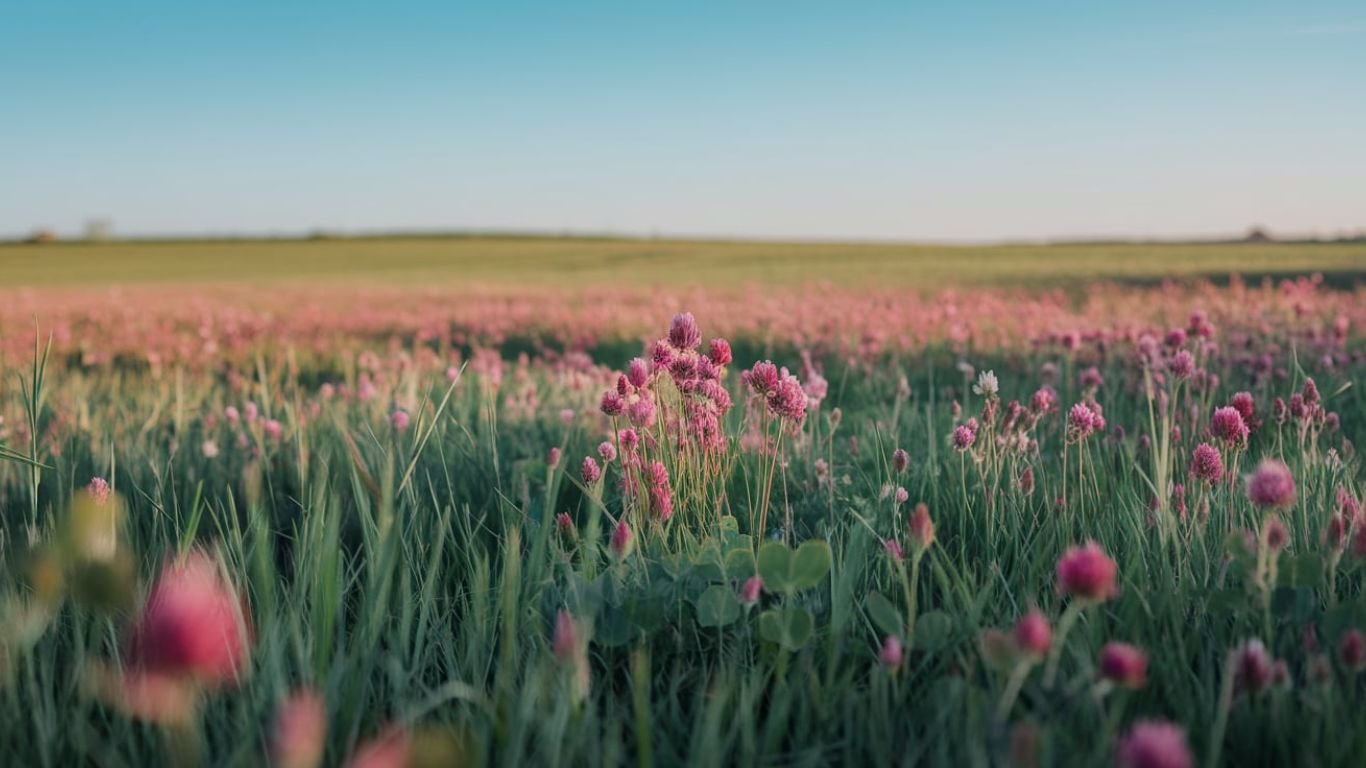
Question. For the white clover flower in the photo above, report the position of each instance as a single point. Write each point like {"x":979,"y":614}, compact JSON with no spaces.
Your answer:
{"x":987,"y":384}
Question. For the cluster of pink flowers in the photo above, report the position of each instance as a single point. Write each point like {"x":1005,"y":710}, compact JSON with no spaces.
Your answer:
{"x":696,"y":376}
{"x":780,"y":391}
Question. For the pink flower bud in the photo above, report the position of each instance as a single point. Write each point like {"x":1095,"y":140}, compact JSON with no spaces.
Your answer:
{"x":1033,"y":636}
{"x":621,"y":540}
{"x":892,"y":653}
{"x":749,"y":591}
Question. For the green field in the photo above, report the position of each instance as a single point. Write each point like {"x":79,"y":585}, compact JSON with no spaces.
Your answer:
{"x":585,"y":261}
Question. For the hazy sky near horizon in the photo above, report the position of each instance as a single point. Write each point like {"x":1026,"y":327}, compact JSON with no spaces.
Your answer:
{"x":897,"y":120}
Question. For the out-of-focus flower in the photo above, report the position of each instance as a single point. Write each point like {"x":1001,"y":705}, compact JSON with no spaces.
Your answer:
{"x":922,"y":528}
{"x":1352,"y":650}
{"x":963,"y":437}
{"x":1032,"y":635}
{"x":192,"y":625}
{"x":749,"y":591}
{"x":1251,"y":667}
{"x":300,"y":731}
{"x":987,"y":385}
{"x":900,"y":460}
{"x":590,"y":472}
{"x":1271,"y":485}
{"x":1154,"y":744}
{"x":683,"y":332}
{"x":891,"y":653}
{"x":1275,"y":536}
{"x":1124,"y":664}
{"x":1086,"y":572}
{"x":621,"y":540}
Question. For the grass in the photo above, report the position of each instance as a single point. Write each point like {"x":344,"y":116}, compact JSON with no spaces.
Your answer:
{"x":585,"y":262}
{"x":415,"y":577}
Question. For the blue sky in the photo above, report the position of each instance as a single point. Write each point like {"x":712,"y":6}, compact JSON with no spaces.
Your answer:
{"x":926,"y":121}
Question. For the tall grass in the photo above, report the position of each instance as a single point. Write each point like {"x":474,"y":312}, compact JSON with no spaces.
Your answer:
{"x":414,"y":577}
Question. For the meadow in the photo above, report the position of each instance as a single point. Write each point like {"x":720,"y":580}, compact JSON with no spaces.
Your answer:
{"x":508,"y":501}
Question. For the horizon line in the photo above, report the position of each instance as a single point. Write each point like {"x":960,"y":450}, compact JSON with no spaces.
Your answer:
{"x":1254,"y":234}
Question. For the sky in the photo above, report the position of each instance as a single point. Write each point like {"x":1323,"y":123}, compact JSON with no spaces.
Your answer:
{"x":838,"y":120}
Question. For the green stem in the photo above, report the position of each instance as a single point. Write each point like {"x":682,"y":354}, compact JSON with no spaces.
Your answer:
{"x":1216,"y":736}
{"x":1069,"y":617}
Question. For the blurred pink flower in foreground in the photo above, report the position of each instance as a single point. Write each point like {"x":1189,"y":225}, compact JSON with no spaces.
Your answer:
{"x":192,"y":625}
{"x":1271,"y":485}
{"x":299,"y":732}
{"x":1086,"y":572}
{"x":1154,"y":744}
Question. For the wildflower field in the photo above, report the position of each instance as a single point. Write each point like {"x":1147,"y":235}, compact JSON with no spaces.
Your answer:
{"x":620,"y":502}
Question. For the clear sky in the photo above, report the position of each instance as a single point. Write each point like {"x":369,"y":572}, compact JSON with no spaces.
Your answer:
{"x":928,"y":121}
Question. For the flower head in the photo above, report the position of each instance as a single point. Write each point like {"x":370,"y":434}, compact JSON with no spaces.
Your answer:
{"x":590,"y":471}
{"x":1227,"y":424}
{"x":1274,"y":534}
{"x":1352,"y":650}
{"x":1207,"y":464}
{"x":1033,"y":636}
{"x":892,"y":653}
{"x":987,"y":385}
{"x":621,"y":540}
{"x":683,"y":332}
{"x":963,"y":437}
{"x":1081,"y":421}
{"x":762,"y":378}
{"x":749,"y":591}
{"x":894,"y":551}
{"x":1086,"y":572}
{"x":718,"y":351}
{"x":612,"y":404}
{"x":1154,"y":744}
{"x":1252,"y":666}
{"x":922,"y":528}
{"x":299,"y":732}
{"x":637,"y":373}
{"x":1124,"y":664}
{"x":192,"y":625}
{"x":1271,"y":485}
{"x":1182,"y":364}
{"x":900,"y":460}
{"x":98,"y":489}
